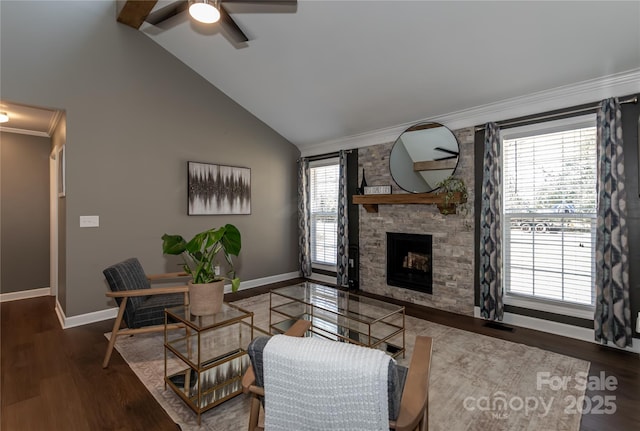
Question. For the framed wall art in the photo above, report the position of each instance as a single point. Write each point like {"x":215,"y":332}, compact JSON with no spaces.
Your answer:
{"x":218,"y":189}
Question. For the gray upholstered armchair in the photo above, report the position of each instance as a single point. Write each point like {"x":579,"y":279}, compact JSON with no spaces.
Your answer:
{"x":140,"y":305}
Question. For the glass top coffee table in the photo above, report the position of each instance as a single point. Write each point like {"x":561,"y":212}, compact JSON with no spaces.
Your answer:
{"x":340,"y":316}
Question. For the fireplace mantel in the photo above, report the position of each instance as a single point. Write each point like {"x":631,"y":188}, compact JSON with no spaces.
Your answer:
{"x":371,"y":202}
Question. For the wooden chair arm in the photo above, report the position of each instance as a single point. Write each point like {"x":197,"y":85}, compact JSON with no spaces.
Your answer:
{"x":248,"y":383}
{"x":298,"y":329}
{"x":415,"y":396}
{"x":256,"y":390}
{"x":248,"y":379}
{"x":148,"y":292}
{"x":166,"y":276}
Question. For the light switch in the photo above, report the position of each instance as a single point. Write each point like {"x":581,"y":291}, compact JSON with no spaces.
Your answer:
{"x":89,"y":221}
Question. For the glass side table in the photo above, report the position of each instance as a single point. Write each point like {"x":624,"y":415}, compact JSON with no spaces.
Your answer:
{"x":211,"y":355}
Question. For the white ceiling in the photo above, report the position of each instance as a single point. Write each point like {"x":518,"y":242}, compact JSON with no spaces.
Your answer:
{"x":335,"y":69}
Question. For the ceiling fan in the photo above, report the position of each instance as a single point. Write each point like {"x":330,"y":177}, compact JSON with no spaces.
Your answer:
{"x":210,"y":12}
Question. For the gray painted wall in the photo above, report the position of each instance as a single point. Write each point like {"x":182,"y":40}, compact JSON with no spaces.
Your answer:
{"x":135,"y":116}
{"x":24,"y":223}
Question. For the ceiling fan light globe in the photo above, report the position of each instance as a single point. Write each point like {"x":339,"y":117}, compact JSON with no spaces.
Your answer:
{"x":204,"y":12}
{"x":4,"y":117}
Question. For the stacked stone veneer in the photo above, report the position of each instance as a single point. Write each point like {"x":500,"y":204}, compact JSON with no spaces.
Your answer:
{"x":453,"y":237}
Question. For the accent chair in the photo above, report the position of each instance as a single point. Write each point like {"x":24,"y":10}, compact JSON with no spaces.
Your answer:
{"x":140,"y":305}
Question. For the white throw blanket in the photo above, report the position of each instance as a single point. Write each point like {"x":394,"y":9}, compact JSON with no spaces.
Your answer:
{"x":315,"y":384}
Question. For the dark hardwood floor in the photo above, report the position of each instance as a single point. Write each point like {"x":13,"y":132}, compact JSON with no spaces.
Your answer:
{"x":52,"y":379}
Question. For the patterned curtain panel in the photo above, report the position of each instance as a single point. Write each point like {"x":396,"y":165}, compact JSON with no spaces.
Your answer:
{"x":491,"y":305}
{"x":304,"y":218}
{"x":342,"y":260}
{"x":612,"y":320}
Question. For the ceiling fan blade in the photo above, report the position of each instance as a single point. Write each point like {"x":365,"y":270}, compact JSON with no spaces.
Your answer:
{"x":275,"y":2}
{"x":447,"y":151}
{"x":167,"y":12}
{"x":236,"y":33}
{"x":445,"y":158}
{"x":261,"y":6}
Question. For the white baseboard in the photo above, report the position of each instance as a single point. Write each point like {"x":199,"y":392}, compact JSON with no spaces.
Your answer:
{"x":111,"y":313}
{"x":60,"y":314}
{"x":84,"y":319}
{"x":562,"y":329}
{"x":262,"y":281}
{"x":25,"y":294}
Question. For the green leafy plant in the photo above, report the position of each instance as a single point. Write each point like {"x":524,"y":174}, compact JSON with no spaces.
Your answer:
{"x":200,"y":253}
{"x":449,"y":187}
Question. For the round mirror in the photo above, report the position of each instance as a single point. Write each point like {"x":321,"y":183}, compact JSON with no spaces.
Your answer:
{"x":422,"y":156}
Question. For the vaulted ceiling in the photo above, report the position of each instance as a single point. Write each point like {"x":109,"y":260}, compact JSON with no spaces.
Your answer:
{"x":329,"y":70}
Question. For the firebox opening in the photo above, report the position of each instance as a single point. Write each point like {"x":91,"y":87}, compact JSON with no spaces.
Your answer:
{"x":409,"y":261}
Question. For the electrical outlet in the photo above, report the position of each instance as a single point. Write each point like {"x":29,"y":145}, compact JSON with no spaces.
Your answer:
{"x":216,"y":269}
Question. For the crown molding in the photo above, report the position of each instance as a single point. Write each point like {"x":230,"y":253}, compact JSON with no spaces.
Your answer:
{"x":616,"y":85}
{"x":25,"y":132}
{"x":55,"y":120}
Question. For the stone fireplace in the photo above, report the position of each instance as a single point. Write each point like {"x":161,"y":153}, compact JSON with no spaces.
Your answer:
{"x":452,"y":242}
{"x":409,"y":261}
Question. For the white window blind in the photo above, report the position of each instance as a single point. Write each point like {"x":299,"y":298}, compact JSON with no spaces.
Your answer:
{"x":549,"y":213}
{"x":324,"y":213}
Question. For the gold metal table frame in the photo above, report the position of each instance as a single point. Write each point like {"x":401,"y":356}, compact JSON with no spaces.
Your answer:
{"x":204,"y":362}
{"x":339,"y":315}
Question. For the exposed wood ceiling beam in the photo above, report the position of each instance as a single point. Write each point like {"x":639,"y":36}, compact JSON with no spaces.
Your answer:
{"x":134,"y":12}
{"x":430,"y":165}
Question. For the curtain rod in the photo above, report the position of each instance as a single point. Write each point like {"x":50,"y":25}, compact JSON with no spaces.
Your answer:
{"x":521,"y":121}
{"x":324,"y":156}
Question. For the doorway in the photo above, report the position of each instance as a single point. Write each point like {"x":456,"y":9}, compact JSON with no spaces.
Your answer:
{"x":29,"y":202}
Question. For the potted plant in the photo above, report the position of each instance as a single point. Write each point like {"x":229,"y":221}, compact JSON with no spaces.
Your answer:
{"x":455,"y":192}
{"x":206,"y":288}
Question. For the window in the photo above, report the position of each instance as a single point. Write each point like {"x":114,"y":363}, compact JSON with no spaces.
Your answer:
{"x":324,"y":211}
{"x":549,"y":211}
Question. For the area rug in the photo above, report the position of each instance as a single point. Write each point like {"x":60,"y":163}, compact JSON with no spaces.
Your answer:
{"x":477,"y":382}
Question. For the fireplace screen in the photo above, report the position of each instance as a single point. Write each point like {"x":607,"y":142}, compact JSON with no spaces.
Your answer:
{"x":409,"y":261}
